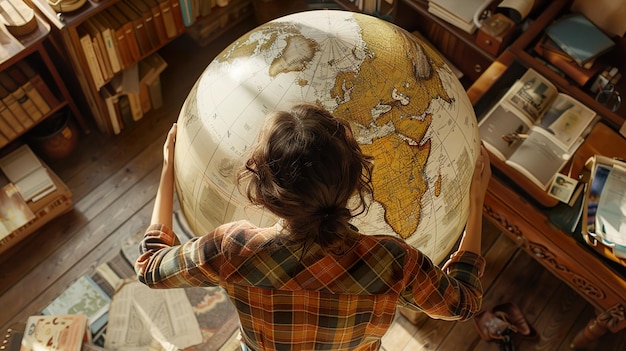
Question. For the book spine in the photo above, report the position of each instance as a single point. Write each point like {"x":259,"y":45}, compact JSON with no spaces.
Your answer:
{"x":92,"y":61}
{"x":178,"y":15}
{"x":159,"y":25}
{"x":99,"y":48}
{"x":187,"y":12}
{"x":102,"y":58}
{"x":18,"y":111}
{"x":110,"y":43}
{"x":27,"y":104}
{"x":8,"y":116}
{"x":36,"y":98}
{"x":20,"y":79}
{"x":126,"y":58}
{"x":111,"y":101}
{"x":5,"y":127}
{"x":44,"y":91}
{"x":135,"y":106}
{"x":153,"y":36}
{"x":170,"y":19}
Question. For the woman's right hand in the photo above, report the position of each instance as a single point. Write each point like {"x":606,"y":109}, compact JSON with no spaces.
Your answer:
{"x":168,"y":147}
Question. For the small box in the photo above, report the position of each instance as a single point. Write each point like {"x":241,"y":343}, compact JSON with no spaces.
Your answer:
{"x":495,"y":32}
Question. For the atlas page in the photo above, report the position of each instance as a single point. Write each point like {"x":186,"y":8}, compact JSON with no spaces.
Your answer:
{"x":509,"y":121}
{"x":535,"y":129}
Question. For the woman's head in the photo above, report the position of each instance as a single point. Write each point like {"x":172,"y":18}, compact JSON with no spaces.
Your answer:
{"x":305,"y":167}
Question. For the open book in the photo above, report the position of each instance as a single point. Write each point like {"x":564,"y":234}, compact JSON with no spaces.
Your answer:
{"x":535,"y":129}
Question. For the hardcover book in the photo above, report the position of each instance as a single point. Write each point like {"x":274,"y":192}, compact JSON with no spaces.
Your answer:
{"x":535,"y":129}
{"x":83,"y":296}
{"x":579,"y":38}
{"x":55,"y":333}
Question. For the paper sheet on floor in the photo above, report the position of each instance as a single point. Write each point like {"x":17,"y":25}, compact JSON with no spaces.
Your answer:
{"x":142,"y":319}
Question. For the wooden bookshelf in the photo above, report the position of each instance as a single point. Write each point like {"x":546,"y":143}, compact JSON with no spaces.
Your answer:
{"x":68,"y":28}
{"x":31,"y":47}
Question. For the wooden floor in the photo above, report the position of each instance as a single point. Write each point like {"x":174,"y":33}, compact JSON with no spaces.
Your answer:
{"x":114,"y":179}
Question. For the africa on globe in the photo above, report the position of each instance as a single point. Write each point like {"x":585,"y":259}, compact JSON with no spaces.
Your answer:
{"x":405,"y":106}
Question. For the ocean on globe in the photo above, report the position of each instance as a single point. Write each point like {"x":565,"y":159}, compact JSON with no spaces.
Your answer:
{"x":405,"y":106}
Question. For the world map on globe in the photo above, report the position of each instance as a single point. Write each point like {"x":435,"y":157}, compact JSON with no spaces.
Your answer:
{"x":405,"y":106}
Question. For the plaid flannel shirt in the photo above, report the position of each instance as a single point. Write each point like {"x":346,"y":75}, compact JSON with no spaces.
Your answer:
{"x":287,"y":301}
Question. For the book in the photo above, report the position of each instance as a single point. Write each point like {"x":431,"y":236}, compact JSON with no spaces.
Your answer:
{"x":535,"y":129}
{"x":150,"y":83}
{"x":83,"y":296}
{"x":99,"y":48}
{"x":177,"y":16}
{"x":547,"y":49}
{"x":138,"y":24}
{"x":129,"y":85}
{"x":159,"y":25}
{"x":119,"y":32}
{"x":129,"y":33}
{"x":38,"y":83}
{"x":23,"y":168}
{"x":20,"y":96}
{"x":89,"y":53}
{"x":111,"y":100}
{"x":33,"y":94}
{"x":169,"y":18}
{"x":186,"y":10}
{"x":23,"y":119}
{"x":9,"y":126}
{"x":110,"y":44}
{"x":576,"y":35}
{"x":148,"y":17}
{"x":14,"y":212}
{"x":66,"y":332}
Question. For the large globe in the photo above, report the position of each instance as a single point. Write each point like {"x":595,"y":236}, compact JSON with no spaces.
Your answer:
{"x":405,"y":106}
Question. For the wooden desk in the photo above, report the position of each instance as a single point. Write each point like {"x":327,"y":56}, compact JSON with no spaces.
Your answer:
{"x":508,"y":206}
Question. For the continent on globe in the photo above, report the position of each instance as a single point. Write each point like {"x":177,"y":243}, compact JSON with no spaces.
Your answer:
{"x":405,"y":106}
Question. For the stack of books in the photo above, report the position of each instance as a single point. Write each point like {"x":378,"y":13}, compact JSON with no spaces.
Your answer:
{"x":459,"y":13}
{"x":572,"y":44}
{"x":25,"y":99}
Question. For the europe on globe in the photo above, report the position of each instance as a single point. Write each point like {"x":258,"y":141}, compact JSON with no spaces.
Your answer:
{"x":405,"y":105}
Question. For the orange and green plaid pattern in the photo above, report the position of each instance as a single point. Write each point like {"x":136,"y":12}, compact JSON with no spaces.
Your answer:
{"x":316,"y":301}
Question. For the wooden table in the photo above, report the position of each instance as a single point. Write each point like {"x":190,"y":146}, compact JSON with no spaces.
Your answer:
{"x":511,"y":208}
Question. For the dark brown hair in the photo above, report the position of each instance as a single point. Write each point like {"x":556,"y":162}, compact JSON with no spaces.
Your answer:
{"x":304,"y":168}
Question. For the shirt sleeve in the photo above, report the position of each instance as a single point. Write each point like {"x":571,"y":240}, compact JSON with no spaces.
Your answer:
{"x":453,"y":292}
{"x":165,"y":263}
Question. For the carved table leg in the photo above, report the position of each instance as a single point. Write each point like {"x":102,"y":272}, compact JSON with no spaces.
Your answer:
{"x":594,"y":329}
{"x":598,"y":327}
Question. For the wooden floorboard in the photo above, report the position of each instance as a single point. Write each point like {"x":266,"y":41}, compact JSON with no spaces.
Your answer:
{"x":113,"y":180}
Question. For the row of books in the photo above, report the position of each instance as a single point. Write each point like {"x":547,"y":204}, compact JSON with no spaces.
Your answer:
{"x":134,"y":93}
{"x":25,"y":98}
{"x":121,"y":35}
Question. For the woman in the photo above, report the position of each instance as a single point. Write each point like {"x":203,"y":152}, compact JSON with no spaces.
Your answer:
{"x":312,"y":281}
